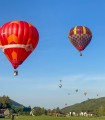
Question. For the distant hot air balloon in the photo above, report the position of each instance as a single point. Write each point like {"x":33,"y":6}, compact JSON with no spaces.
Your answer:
{"x":97,"y":94}
{"x":60,"y":80}
{"x":80,"y":37}
{"x":85,"y":93}
{"x":66,"y":104}
{"x":76,"y":90}
{"x":17,"y":40}
{"x":60,"y":84}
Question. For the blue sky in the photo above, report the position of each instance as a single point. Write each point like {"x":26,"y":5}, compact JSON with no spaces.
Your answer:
{"x":55,"y":58}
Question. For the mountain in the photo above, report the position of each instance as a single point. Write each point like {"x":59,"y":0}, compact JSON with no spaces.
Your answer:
{"x":90,"y":105}
{"x":16,"y":104}
{"x":5,"y":101}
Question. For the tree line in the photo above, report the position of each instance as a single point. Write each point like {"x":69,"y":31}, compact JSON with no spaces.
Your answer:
{"x":6,"y":102}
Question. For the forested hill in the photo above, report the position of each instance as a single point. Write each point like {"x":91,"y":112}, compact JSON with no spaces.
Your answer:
{"x":6,"y":102}
{"x":16,"y":104}
{"x":90,"y":105}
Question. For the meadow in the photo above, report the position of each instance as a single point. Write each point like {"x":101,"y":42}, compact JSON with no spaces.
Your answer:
{"x":54,"y":118}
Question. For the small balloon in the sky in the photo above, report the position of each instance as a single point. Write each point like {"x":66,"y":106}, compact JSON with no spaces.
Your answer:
{"x":60,"y":80}
{"x":85,"y":93}
{"x":76,"y":90}
{"x":60,"y":85}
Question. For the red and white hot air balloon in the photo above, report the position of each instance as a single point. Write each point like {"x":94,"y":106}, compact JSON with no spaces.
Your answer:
{"x":17,"y":40}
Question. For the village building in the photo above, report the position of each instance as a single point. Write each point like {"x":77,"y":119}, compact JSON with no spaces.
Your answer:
{"x":4,"y":112}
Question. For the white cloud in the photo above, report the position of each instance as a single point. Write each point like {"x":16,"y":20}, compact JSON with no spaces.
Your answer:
{"x":96,"y":77}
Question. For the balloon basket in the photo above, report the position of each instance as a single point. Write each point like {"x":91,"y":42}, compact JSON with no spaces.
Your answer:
{"x":15,"y":72}
{"x":80,"y":53}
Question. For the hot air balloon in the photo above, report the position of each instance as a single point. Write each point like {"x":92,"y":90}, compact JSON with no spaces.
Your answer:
{"x":85,"y":93}
{"x":80,"y":37}
{"x":60,"y":84}
{"x":76,"y":90}
{"x":17,"y":40}
{"x":60,"y":80}
{"x":66,"y":104}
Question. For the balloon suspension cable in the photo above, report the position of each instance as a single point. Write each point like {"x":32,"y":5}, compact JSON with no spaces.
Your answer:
{"x":15,"y":72}
{"x":80,"y":53}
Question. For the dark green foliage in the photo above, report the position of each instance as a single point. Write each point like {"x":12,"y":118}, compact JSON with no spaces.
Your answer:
{"x":96,"y":106}
{"x":14,"y":107}
{"x":16,"y":104}
{"x":37,"y":111}
{"x":5,"y":102}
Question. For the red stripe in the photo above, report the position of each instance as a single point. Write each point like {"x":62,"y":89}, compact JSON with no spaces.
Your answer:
{"x":88,"y":31}
{"x":71,"y":32}
{"x":79,"y":30}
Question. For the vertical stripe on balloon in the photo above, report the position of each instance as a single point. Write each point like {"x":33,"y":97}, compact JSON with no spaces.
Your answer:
{"x":84,"y":30}
{"x":75,"y":30}
{"x":14,"y":55}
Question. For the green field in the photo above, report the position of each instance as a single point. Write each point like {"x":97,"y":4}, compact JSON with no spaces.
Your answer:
{"x":54,"y":118}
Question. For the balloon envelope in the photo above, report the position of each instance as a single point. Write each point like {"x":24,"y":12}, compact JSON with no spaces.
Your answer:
{"x":80,"y":37}
{"x":17,"y":40}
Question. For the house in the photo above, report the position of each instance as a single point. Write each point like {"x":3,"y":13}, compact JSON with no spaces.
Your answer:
{"x":4,"y":112}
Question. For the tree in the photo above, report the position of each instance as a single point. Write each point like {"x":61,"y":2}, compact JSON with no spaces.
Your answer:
{"x":27,"y":109}
{"x":101,"y":111}
{"x":18,"y":110}
{"x":5,"y":102}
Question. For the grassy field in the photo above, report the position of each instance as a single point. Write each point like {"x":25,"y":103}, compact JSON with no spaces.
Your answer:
{"x":54,"y":118}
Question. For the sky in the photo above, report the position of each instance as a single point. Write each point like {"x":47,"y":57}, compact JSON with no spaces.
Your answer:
{"x":54,"y":58}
